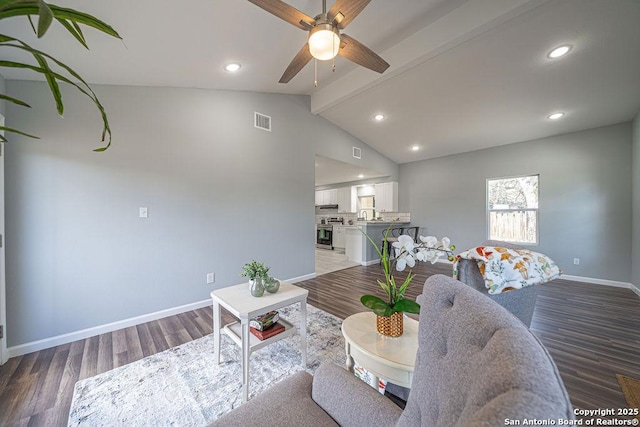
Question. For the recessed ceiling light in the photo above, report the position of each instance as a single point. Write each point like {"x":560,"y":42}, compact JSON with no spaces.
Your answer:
{"x":415,"y":147}
{"x":555,"y":116}
{"x":559,"y":51}
{"x":379,"y":117}
{"x":233,"y":67}
{"x":361,"y":176}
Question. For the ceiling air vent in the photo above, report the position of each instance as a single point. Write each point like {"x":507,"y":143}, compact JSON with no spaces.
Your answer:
{"x":357,"y":153}
{"x":262,"y":121}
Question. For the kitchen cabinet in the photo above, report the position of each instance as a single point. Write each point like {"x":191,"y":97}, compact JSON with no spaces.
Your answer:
{"x":386,"y":197}
{"x":347,"y":200}
{"x":333,"y":197}
{"x":327,"y":197}
{"x":339,"y":233}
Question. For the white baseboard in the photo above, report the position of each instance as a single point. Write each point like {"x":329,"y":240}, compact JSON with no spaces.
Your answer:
{"x":604,"y":282}
{"x":302,"y":278}
{"x":30,"y":347}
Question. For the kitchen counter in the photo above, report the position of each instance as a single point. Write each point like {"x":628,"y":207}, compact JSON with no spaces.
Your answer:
{"x":374,"y":223}
{"x":358,"y":248}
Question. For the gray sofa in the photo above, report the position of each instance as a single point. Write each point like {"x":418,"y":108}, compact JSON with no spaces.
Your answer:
{"x":477,"y":365}
{"x":520,"y":302}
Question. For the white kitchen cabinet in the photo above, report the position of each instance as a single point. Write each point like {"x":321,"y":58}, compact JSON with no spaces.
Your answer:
{"x":386,"y":197}
{"x":339,"y":233}
{"x":332,"y":198}
{"x":347,"y":200}
{"x":327,"y":197}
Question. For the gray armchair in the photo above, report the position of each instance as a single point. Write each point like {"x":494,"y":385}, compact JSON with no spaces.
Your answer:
{"x":476,"y":365}
{"x":521,"y":302}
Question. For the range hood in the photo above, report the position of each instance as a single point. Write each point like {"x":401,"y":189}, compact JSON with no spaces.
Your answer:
{"x":326,"y":209}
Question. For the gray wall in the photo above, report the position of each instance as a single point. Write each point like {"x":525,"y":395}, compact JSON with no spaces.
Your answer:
{"x":2,"y":90}
{"x":219,"y":193}
{"x":585,"y":208}
{"x":635,"y":242}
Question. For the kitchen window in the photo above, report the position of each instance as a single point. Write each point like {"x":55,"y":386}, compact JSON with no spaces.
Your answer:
{"x":512,"y":209}
{"x":367,"y":207}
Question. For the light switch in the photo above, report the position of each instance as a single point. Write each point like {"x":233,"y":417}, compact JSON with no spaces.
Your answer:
{"x":143,"y":212}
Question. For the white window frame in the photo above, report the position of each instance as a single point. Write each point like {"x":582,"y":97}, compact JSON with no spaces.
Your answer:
{"x":536,"y":210}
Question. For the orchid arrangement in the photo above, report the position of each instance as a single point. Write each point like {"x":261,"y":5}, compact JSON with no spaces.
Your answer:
{"x":407,"y":252}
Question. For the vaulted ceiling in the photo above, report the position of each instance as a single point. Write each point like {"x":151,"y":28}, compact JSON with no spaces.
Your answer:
{"x":464,"y":75}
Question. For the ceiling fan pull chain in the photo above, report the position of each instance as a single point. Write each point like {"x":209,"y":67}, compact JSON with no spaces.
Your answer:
{"x":333,"y":68}
{"x":315,"y":67}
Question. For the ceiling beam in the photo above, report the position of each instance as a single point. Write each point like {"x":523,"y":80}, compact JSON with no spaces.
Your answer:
{"x":447,"y":30}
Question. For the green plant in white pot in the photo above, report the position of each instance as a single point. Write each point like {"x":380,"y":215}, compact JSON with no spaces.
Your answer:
{"x":258,"y":274}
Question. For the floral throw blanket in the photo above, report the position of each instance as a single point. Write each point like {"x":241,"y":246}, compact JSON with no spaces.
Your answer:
{"x":507,"y":269}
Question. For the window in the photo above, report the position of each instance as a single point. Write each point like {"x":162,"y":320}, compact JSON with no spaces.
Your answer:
{"x":512,"y":209}
{"x":367,"y":205}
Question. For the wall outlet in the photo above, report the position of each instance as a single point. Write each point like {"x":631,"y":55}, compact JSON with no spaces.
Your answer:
{"x":143,"y":212}
{"x":211,"y":277}
{"x":576,"y":261}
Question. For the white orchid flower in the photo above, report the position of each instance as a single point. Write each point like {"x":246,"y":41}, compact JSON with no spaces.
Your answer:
{"x":429,"y":240}
{"x":404,"y":252}
{"x":421,"y":254}
{"x":404,"y":244}
{"x":432,"y":256}
{"x":405,"y":258}
{"x":446,"y":242}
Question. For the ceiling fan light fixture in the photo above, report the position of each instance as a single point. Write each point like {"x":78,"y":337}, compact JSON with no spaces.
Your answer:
{"x":324,"y":42}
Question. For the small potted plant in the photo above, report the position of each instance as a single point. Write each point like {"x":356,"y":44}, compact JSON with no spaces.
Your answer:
{"x":389,"y":320}
{"x":257,"y":273}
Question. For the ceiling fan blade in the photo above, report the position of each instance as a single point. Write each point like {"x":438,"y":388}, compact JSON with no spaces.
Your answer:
{"x":285,"y":12}
{"x":299,"y":61}
{"x":355,"y":51}
{"x":349,"y":10}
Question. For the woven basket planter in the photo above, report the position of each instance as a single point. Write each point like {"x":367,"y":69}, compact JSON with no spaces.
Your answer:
{"x":390,"y":326}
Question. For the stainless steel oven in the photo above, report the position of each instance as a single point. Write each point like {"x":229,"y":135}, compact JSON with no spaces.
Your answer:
{"x":324,"y":232}
{"x":324,"y":236}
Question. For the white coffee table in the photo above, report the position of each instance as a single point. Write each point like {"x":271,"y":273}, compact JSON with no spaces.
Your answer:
{"x":239,"y":302}
{"x":392,"y":359}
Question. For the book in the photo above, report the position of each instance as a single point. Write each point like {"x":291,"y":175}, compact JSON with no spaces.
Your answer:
{"x":269,"y":332}
{"x":264,"y":321}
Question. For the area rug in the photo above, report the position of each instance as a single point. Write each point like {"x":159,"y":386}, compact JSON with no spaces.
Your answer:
{"x":631,"y":390}
{"x":183,"y":387}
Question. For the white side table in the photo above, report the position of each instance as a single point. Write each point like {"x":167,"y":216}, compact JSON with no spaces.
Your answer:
{"x":392,"y":359}
{"x":239,"y":302}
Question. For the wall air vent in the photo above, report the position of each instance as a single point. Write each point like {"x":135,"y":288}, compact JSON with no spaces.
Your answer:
{"x":262,"y":121}
{"x":357,"y":153}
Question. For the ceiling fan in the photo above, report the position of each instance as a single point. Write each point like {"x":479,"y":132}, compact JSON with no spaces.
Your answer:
{"x":325,"y":40}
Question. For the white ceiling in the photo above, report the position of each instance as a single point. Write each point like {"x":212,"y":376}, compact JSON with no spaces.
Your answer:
{"x":331,"y":171}
{"x":464,"y":75}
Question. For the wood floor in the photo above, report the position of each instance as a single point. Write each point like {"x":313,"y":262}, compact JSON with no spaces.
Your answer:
{"x":591,"y":331}
{"x":329,"y":261}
